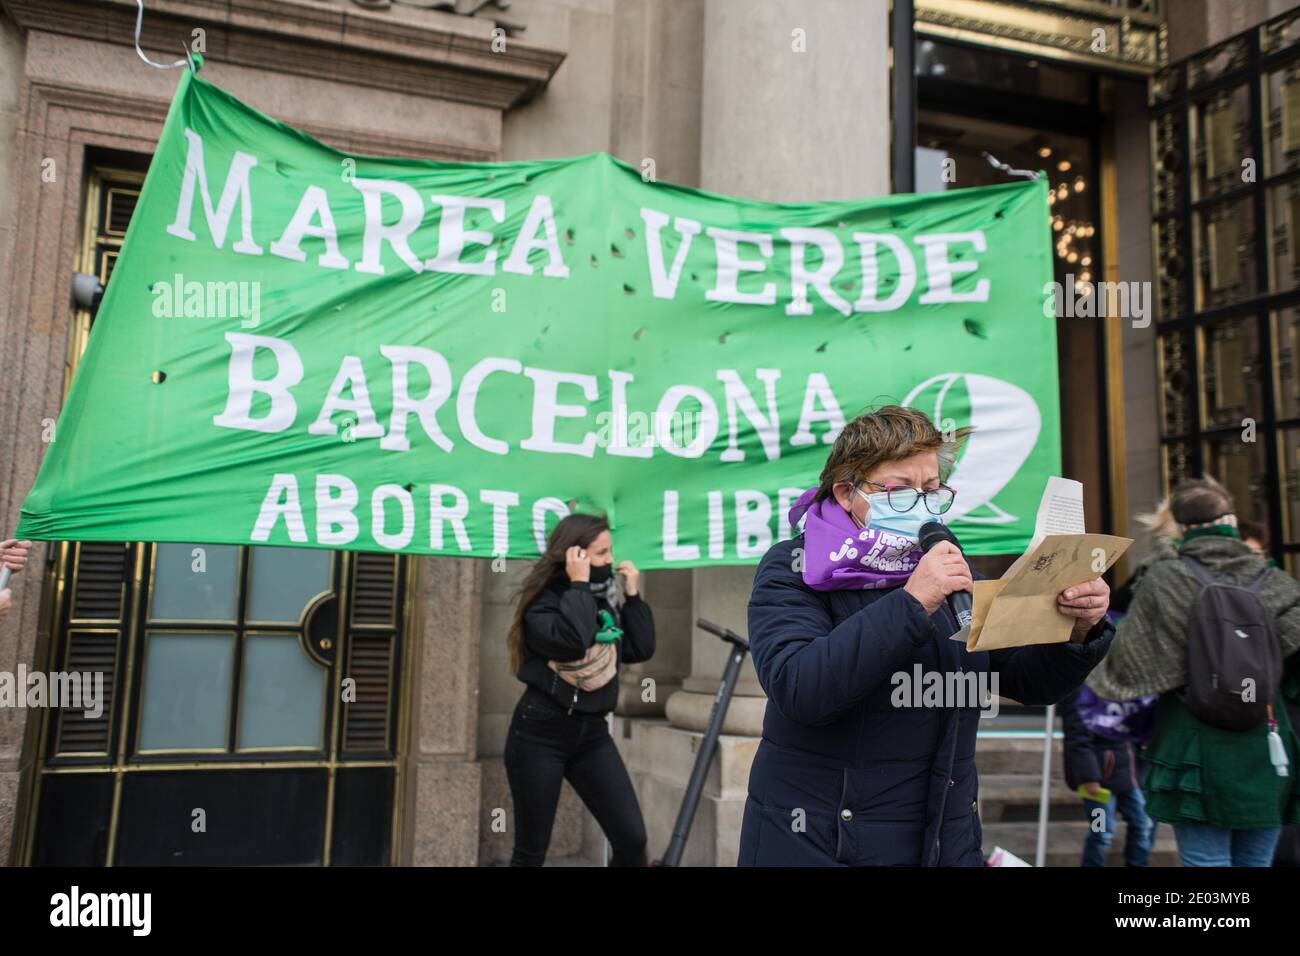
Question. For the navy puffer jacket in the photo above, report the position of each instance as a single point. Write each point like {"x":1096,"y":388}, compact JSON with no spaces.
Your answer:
{"x":844,"y":778}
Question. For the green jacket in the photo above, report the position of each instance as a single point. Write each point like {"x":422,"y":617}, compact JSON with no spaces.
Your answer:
{"x":1203,"y":774}
{"x":1199,"y":773}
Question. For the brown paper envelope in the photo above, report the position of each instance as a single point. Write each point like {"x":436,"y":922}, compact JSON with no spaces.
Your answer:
{"x":1021,"y":621}
{"x":1022,"y":610}
{"x":985,"y":592}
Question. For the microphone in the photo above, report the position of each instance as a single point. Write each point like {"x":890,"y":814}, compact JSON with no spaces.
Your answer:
{"x":959,"y":602}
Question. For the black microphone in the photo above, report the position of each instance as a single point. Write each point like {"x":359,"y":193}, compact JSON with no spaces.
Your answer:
{"x":959,"y":602}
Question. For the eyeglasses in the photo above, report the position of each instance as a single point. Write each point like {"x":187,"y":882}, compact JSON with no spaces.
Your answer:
{"x":904,"y":497}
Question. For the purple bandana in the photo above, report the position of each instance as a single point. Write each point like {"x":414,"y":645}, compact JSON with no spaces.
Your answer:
{"x":1133,"y":720}
{"x":838,"y":555}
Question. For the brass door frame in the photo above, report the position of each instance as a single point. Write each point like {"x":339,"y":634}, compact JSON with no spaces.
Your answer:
{"x":1061,"y":30}
{"x":1112,"y":335}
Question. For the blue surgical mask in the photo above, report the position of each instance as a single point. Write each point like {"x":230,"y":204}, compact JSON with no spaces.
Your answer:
{"x":884,"y":518}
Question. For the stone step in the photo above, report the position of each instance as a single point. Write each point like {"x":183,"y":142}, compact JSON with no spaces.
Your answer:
{"x":1004,"y":754}
{"x":1013,"y":798}
{"x":1011,"y":717}
{"x":1065,"y":843}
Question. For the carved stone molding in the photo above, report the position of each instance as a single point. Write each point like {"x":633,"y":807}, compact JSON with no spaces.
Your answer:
{"x":436,"y":54}
{"x":494,"y":10}
{"x":1118,"y":35}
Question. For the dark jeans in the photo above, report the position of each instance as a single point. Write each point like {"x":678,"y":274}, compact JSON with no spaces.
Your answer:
{"x":546,"y":746}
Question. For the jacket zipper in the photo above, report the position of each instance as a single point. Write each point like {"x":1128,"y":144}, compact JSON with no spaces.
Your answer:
{"x":936,"y":851}
{"x":555,"y":679}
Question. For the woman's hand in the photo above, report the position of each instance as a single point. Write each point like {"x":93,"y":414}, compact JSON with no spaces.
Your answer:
{"x":13,"y":554}
{"x":577,"y":564}
{"x":631,"y":577}
{"x":6,"y":601}
{"x":1086,"y":603}
{"x":941,"y":571}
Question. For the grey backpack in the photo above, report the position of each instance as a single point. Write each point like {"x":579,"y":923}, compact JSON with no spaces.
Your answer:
{"x":1234,"y":657}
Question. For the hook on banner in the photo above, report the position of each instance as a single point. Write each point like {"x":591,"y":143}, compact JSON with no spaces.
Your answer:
{"x":139,"y":23}
{"x":997,"y":164}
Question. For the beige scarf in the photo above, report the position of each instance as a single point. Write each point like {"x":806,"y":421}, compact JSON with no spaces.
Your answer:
{"x":594,"y":671}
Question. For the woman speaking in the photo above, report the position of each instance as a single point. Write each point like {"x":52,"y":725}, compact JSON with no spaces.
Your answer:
{"x":842,"y":776}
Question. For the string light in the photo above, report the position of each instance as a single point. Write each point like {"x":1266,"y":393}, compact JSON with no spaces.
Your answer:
{"x":1069,"y":246}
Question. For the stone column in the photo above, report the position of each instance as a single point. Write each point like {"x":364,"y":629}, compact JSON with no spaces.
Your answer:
{"x":721,"y":595}
{"x":669,"y":595}
{"x":796,"y":106}
{"x":442,"y":775}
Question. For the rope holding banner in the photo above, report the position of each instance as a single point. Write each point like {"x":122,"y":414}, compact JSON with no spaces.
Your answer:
{"x":997,"y":164}
{"x":139,"y":23}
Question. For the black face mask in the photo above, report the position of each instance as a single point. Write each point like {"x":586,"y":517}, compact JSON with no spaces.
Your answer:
{"x":601,"y":573}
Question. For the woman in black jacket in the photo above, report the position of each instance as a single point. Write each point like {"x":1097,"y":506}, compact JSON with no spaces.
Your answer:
{"x":569,"y":636}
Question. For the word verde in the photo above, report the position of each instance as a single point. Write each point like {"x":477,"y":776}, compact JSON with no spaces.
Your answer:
{"x":816,"y":255}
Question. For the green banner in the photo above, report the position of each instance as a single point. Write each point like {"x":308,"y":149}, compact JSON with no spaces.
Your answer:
{"x":302,"y":347}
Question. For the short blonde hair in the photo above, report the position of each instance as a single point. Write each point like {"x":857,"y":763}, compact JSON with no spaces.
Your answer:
{"x":1160,"y":523}
{"x":890,"y":433}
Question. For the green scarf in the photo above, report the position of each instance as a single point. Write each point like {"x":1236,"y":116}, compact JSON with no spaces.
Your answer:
{"x":1211,"y":530}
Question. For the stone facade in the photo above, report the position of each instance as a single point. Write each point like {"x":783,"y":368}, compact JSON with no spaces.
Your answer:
{"x":714,"y":92}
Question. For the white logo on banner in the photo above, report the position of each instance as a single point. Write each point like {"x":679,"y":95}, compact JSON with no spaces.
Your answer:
{"x":1006,"y":424}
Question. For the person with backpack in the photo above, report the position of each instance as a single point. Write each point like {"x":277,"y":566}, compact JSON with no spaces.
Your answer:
{"x":1208,"y":631}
